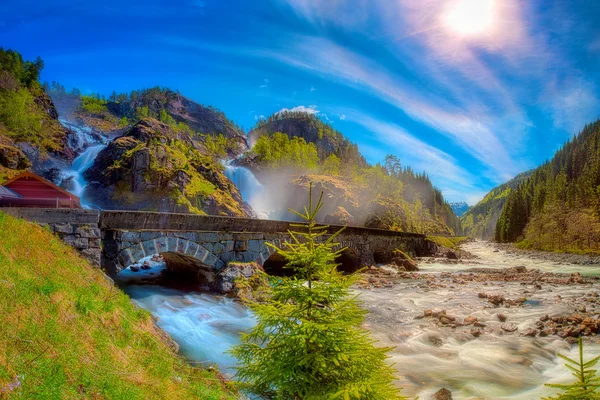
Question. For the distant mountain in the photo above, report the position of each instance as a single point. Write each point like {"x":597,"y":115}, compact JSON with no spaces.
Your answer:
{"x":459,"y":208}
{"x":558,"y":206}
{"x":480,"y":220}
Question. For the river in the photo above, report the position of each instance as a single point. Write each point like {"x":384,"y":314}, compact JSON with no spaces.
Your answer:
{"x":428,"y":356}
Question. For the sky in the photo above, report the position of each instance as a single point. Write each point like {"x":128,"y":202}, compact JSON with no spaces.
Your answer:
{"x":471,"y":91}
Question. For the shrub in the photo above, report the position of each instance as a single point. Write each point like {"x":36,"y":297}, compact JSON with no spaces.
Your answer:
{"x":308,"y":343}
{"x":586,"y":384}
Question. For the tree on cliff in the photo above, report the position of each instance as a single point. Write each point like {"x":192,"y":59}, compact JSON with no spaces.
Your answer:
{"x":308,"y":343}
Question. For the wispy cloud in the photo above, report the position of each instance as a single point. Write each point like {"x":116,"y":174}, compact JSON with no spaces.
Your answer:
{"x":312,"y":109}
{"x":572,"y":103}
{"x":440,"y":166}
{"x":468,"y":128}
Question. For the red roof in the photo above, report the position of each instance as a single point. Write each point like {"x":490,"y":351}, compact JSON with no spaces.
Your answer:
{"x":35,"y":191}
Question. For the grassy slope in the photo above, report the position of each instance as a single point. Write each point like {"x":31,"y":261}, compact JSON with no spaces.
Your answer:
{"x":451,"y":242}
{"x":67,"y":332}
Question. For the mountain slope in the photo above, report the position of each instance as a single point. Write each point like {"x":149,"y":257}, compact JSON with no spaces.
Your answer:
{"x":68,"y":333}
{"x":558,"y":207}
{"x":480,"y":220}
{"x":30,"y":132}
{"x":292,"y":148}
{"x":121,"y":111}
{"x":310,"y":128}
{"x":156,"y":167}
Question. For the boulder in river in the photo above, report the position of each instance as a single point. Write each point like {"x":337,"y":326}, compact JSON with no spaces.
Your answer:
{"x":225,"y":281}
{"x":509,"y":327}
{"x":442,"y":394}
{"x":404,"y":261}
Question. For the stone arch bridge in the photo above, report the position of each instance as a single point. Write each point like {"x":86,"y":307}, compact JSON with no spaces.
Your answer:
{"x":116,"y":239}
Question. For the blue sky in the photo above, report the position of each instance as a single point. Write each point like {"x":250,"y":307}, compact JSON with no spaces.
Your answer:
{"x":471,"y":91}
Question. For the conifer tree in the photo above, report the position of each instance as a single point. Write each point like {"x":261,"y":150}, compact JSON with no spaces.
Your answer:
{"x":587,"y":384}
{"x":308,"y":343}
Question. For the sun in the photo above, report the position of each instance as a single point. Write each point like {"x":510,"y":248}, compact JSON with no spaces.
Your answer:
{"x":470,"y":17}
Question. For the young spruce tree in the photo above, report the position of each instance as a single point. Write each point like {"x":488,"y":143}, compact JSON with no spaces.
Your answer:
{"x":308,"y":343}
{"x":587,"y":384}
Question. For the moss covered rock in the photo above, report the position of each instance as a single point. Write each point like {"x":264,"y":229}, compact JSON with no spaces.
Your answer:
{"x":154,"y":167}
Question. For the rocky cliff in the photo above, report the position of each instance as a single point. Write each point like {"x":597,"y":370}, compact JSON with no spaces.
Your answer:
{"x":30,"y":133}
{"x":115,"y":114}
{"x":154,"y":167}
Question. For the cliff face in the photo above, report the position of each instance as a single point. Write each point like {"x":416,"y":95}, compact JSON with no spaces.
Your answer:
{"x":153,"y":167}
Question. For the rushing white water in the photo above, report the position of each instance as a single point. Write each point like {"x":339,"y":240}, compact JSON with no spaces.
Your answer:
{"x":83,"y":136}
{"x":79,"y":166}
{"x":139,"y":272}
{"x":90,"y":145}
{"x":204,"y":326}
{"x":252,"y":191}
{"x":496,"y":365}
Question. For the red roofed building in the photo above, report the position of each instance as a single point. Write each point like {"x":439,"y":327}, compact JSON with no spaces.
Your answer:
{"x":31,"y":190}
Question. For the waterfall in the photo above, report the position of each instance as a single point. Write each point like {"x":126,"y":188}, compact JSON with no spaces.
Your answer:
{"x":83,"y":135}
{"x":84,"y":140}
{"x":80,"y":165}
{"x":252,"y":191}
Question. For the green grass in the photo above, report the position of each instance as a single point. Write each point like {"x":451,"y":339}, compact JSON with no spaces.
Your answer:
{"x":451,"y":242}
{"x":66,"y":332}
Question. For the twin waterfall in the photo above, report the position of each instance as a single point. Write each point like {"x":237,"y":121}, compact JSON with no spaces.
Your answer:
{"x":90,"y":145}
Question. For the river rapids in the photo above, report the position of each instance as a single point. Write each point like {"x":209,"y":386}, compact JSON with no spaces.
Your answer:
{"x":427,"y":355}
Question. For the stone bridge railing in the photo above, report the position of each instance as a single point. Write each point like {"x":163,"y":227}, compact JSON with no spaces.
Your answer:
{"x":116,"y":239}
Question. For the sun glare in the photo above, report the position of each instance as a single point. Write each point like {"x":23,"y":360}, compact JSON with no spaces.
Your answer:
{"x":470,"y":17}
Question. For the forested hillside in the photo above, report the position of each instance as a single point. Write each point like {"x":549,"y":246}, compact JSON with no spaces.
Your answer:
{"x":480,"y":220}
{"x":295,"y":124}
{"x":29,"y":127}
{"x":386,"y":195}
{"x":558,"y":207}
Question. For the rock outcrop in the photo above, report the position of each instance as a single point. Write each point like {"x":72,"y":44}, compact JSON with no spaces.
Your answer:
{"x":225,"y":281}
{"x":154,"y":167}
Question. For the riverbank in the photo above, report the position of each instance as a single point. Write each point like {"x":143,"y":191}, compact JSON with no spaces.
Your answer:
{"x":67,"y":332}
{"x":486,"y":328}
{"x":557,"y":257}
